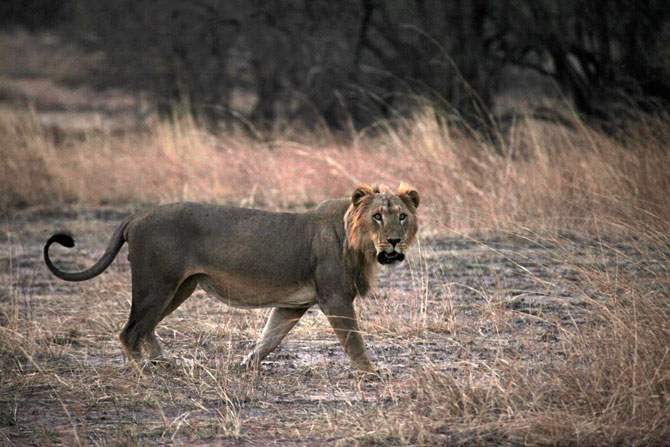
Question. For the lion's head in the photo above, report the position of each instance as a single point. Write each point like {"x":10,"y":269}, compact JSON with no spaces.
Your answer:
{"x":381,"y":224}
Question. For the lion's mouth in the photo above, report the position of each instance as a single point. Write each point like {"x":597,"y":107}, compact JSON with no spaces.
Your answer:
{"x":390,"y":258}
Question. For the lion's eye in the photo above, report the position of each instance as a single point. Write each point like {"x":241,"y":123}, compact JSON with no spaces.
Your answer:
{"x":378,"y":217}
{"x":403,"y":216}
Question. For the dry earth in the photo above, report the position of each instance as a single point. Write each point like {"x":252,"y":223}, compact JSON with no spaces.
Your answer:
{"x":459,"y":303}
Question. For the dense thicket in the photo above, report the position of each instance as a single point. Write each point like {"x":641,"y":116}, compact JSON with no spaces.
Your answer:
{"x":35,"y":14}
{"x":356,"y":58}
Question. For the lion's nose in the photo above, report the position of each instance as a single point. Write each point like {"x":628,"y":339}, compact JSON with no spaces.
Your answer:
{"x":393,"y":241}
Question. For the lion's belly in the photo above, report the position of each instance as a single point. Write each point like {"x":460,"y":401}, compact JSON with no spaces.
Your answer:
{"x":248,"y":293}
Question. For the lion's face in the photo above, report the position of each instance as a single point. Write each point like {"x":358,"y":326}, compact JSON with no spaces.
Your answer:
{"x":382,"y":224}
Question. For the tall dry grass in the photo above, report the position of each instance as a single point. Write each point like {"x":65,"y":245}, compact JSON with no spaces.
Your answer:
{"x":606,"y":383}
{"x":545,"y":173}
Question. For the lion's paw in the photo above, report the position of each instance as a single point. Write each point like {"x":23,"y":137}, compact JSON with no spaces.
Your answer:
{"x":376,"y":375}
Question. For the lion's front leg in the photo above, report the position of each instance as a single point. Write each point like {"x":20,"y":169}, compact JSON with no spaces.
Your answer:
{"x":342,"y":317}
{"x":280,"y":322}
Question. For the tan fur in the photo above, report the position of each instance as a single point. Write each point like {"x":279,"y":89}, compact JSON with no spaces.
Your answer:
{"x":251,"y":258}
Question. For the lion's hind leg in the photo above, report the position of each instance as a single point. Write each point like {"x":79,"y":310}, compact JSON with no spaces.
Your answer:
{"x":184,"y":291}
{"x":150,"y":301}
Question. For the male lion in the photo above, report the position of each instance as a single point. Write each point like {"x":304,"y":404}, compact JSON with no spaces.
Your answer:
{"x":251,"y":258}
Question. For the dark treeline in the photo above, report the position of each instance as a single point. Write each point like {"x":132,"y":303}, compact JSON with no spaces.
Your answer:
{"x":354,"y":59}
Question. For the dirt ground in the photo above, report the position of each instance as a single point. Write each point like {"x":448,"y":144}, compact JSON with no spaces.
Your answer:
{"x":458,"y":303}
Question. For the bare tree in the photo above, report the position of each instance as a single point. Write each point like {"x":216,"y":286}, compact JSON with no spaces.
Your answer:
{"x":349,"y":61}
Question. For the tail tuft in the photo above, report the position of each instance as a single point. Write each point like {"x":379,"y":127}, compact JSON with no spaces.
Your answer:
{"x":63,"y":239}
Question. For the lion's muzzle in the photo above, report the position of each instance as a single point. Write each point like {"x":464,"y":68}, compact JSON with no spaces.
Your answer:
{"x":392,"y":252}
{"x":392,"y":257}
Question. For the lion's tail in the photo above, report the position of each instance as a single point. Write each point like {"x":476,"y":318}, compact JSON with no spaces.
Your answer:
{"x":115,"y":244}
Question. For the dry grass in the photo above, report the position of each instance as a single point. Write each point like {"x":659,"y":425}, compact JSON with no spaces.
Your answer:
{"x":558,"y":335}
{"x":544,"y":174}
{"x":604,"y":381}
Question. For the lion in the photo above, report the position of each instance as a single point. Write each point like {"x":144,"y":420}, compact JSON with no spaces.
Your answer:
{"x":250,"y":258}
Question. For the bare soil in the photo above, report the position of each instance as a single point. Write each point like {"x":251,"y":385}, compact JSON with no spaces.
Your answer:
{"x":458,"y":303}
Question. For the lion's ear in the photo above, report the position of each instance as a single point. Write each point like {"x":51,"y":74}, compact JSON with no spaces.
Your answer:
{"x":360,"y":192}
{"x":409,"y":196}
